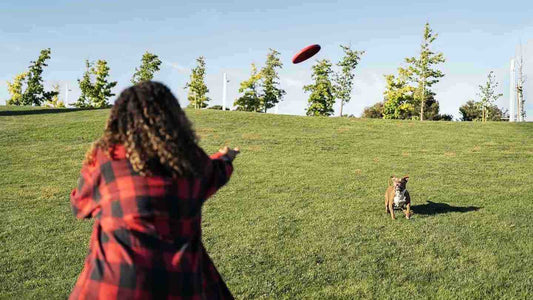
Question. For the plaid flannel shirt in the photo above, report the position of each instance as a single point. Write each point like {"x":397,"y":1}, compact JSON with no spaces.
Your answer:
{"x":147,"y":239}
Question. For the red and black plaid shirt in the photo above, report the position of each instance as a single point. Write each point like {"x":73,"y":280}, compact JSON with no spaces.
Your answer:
{"x":147,"y":240}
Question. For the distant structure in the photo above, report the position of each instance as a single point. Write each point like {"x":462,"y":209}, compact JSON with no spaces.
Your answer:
{"x":66,"y":94}
{"x":512,"y":93}
{"x":516,"y":90}
{"x":224,"y":89}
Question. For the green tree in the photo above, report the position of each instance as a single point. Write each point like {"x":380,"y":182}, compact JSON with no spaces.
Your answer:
{"x":272,"y":94}
{"x":15,"y":89}
{"x":322,"y":97}
{"x":149,"y":65}
{"x":55,"y":102}
{"x":86,"y":87}
{"x":198,"y":90}
{"x":35,"y":93}
{"x":422,"y":71}
{"x":399,"y":96}
{"x":95,"y":94}
{"x":344,"y":79}
{"x":488,"y":96}
{"x":251,"y":100}
{"x":102,"y":87}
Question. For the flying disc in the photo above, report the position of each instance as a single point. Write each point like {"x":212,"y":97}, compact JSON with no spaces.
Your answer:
{"x":305,"y":53}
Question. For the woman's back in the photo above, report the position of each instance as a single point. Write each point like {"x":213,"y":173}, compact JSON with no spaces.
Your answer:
{"x":146,"y":241}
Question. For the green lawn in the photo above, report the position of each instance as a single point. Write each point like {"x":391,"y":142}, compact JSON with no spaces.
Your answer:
{"x":303,"y":216}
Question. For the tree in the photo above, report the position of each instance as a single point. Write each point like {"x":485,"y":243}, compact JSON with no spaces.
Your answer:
{"x":251,"y":100}
{"x":399,"y":96}
{"x":149,"y":65}
{"x":15,"y":89}
{"x":421,"y":70}
{"x":198,"y":90}
{"x":488,"y":96}
{"x":86,"y":87}
{"x":35,"y":93}
{"x":471,"y":111}
{"x":95,"y":94}
{"x":521,"y":80}
{"x":431,"y":110}
{"x":344,"y":79}
{"x":409,"y":91}
{"x":373,"y":112}
{"x":55,"y":102}
{"x":102,"y":88}
{"x":322,"y":91}
{"x":271,"y":93}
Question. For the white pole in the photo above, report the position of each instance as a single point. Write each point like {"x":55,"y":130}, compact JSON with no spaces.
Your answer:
{"x":66,"y":95}
{"x":224,"y":92}
{"x":512,"y":93}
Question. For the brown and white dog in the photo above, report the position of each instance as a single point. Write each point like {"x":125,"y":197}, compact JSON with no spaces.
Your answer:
{"x":397,"y":196}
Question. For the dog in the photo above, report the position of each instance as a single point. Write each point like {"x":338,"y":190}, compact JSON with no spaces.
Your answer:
{"x":397,"y":196}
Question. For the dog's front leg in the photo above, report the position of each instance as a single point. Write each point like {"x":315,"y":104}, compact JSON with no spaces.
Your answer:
{"x":408,"y":211}
{"x":391,"y":203}
{"x":408,"y":198}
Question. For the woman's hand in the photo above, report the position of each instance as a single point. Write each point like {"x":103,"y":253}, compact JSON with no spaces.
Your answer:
{"x":230,"y":153}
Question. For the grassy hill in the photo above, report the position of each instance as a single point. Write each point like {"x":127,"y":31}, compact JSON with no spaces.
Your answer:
{"x":303,"y":216}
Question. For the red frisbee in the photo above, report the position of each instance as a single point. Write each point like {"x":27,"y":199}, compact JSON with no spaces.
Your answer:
{"x":305,"y":53}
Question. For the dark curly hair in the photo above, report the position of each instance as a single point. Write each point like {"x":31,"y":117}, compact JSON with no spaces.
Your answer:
{"x":148,"y":120}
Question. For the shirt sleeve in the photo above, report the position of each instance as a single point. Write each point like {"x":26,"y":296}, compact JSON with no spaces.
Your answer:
{"x":85,"y":198}
{"x":220,"y":172}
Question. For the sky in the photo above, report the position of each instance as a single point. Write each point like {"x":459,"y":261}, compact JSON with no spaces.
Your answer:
{"x":476,"y":37}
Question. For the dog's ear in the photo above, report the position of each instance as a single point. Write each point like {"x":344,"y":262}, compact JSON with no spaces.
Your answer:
{"x":406,"y":178}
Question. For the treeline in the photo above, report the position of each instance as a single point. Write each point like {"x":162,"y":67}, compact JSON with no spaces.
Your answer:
{"x":408,"y":94}
{"x":27,"y":87}
{"x":482,"y":109}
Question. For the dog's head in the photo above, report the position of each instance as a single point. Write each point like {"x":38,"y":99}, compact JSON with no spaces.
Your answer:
{"x":400,"y":184}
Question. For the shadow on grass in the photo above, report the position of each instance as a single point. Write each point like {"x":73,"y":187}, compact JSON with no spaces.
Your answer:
{"x":42,"y":111}
{"x":432,"y":208}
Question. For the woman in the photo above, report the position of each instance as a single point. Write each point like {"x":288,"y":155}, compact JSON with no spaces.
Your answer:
{"x":144,"y":182}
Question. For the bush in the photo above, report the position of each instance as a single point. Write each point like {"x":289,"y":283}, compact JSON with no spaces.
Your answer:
{"x":443,"y":117}
{"x":217,"y":107}
{"x":471,"y":111}
{"x":373,"y":112}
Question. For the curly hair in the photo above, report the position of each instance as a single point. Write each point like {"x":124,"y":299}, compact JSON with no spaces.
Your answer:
{"x":148,"y":120}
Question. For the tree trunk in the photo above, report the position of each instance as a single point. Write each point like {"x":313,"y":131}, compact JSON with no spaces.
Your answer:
{"x":422,"y":101}
{"x":517,"y":106}
{"x":342,"y":103}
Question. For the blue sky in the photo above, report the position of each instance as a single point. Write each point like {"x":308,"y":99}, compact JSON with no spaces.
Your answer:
{"x":475,"y":37}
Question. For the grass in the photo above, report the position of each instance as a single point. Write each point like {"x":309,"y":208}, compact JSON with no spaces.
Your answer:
{"x":303,"y":216}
